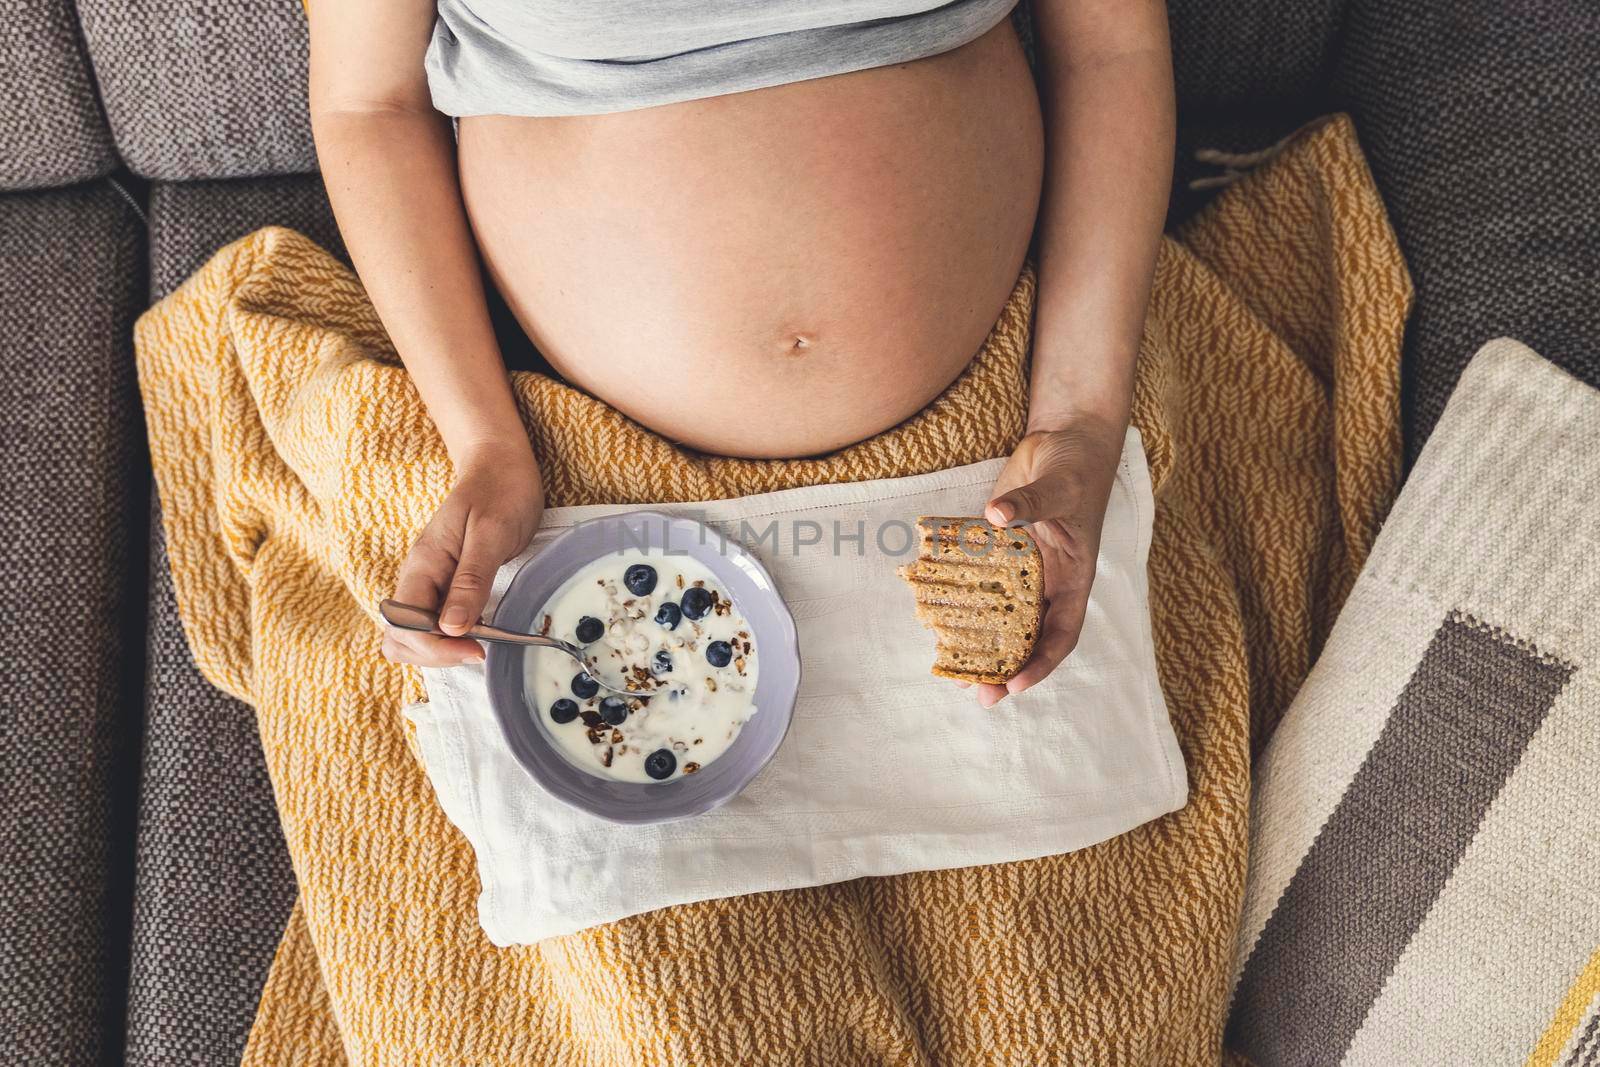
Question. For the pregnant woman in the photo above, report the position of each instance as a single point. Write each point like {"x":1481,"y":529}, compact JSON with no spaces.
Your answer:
{"x":761,"y":228}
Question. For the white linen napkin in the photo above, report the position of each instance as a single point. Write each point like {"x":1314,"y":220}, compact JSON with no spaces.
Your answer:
{"x":886,"y":769}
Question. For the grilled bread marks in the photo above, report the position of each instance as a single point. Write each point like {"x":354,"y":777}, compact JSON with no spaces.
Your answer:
{"x":979,"y":589}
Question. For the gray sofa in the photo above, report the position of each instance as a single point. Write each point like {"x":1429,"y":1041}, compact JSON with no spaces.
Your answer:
{"x":147,"y":881}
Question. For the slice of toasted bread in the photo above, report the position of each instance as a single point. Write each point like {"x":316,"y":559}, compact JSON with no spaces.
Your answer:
{"x":979,"y":588}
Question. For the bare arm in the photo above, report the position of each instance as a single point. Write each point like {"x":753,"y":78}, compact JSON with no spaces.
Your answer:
{"x":389,"y":163}
{"x":1106,"y":82}
{"x":1106,"y":86}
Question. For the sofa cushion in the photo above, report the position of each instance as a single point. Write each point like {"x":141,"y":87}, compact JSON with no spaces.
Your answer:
{"x":1253,"y":56}
{"x":71,"y":281}
{"x":214,"y":887}
{"x":51,"y":128}
{"x":189,"y":222}
{"x":1479,"y":120}
{"x":214,"y":883}
{"x":203,"y":90}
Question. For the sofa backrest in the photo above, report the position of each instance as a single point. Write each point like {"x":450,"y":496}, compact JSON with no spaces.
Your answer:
{"x":1254,"y":55}
{"x":51,"y":128}
{"x":202,"y":90}
{"x":189,"y":90}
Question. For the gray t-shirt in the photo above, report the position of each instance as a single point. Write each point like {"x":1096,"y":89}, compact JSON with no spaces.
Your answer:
{"x":586,"y":57}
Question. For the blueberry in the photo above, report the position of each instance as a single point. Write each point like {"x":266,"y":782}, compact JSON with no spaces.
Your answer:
{"x":590,"y":629}
{"x":583,"y":686}
{"x":662,"y":663}
{"x":563,"y":710}
{"x":668,"y":616}
{"x":696,"y":602}
{"x":719,"y":653}
{"x":660,"y":764}
{"x":640,"y":579}
{"x":614,"y":710}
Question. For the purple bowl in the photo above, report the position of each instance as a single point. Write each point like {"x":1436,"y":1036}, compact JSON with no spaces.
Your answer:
{"x":755,"y":596}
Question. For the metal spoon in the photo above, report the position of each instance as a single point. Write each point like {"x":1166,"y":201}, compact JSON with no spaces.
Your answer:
{"x":411,"y":617}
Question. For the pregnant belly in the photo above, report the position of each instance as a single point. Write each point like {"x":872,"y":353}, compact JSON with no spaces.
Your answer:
{"x":773,"y":273}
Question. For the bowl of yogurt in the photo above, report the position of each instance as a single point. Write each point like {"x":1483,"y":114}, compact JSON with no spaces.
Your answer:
{"x":689,"y":624}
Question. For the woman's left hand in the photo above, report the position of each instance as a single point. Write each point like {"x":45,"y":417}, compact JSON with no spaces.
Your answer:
{"x":1058,"y":481}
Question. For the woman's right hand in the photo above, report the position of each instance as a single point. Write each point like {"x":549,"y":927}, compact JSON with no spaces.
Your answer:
{"x":490,"y":515}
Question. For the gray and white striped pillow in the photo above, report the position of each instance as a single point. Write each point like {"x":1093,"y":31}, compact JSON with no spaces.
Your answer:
{"x":1424,"y":879}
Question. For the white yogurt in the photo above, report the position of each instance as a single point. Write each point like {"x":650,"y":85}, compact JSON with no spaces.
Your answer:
{"x":693,"y":711}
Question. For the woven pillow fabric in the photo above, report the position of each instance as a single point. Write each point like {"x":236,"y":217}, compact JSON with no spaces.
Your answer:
{"x":1424,"y":843}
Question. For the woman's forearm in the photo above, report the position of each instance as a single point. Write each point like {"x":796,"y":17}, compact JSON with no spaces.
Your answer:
{"x":391,"y":178}
{"x":1106,"y":85}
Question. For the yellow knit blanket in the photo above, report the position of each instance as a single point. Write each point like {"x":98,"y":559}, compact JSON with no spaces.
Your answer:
{"x":296,"y":464}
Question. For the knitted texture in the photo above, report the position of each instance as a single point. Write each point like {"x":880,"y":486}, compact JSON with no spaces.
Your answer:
{"x":296,"y":464}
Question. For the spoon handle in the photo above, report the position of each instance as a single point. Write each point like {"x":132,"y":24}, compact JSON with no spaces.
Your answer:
{"x":411,"y":617}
